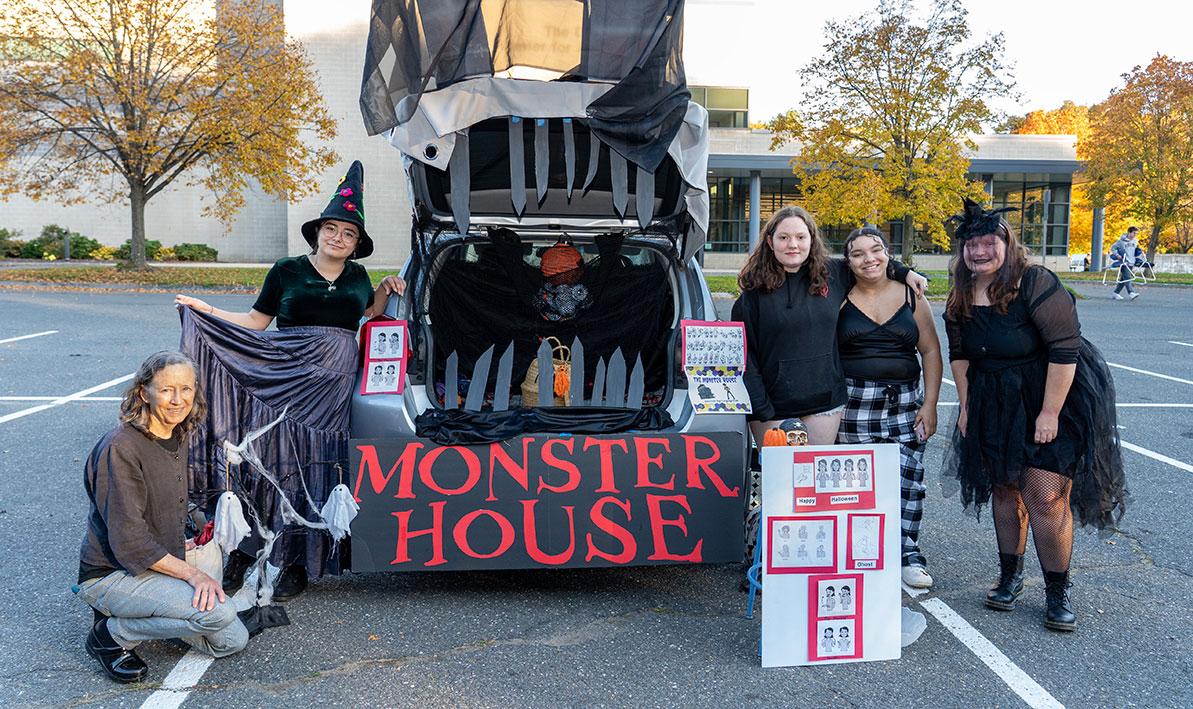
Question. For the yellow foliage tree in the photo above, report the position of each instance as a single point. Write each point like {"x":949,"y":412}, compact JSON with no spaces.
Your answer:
{"x":116,"y":100}
{"x":889,"y":106}
{"x":1139,"y":151}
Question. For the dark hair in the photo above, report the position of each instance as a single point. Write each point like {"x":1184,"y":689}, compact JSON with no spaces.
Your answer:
{"x":764,"y":272}
{"x":1006,"y":282}
{"x":877,"y":234}
{"x":135,"y":411}
{"x":1132,"y":229}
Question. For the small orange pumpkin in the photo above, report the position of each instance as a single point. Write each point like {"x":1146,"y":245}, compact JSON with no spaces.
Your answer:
{"x":774,"y":437}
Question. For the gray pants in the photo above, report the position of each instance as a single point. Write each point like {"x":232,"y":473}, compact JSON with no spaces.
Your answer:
{"x":154,"y":606}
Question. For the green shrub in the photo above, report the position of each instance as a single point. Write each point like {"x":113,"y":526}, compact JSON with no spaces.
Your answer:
{"x":125,"y":251}
{"x":10,"y":244}
{"x":51,"y":241}
{"x":166,"y":254}
{"x":195,"y":252}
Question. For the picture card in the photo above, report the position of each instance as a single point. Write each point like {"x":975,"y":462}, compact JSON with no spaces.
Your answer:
{"x":800,"y":545}
{"x":834,"y":596}
{"x":863,"y":543}
{"x":836,"y":480}
{"x":385,"y":357}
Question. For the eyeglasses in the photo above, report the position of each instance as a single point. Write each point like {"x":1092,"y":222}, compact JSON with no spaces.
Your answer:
{"x":344,"y":235}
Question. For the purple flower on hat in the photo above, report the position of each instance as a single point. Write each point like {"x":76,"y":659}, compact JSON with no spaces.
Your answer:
{"x":350,"y":206}
{"x":346,"y":192}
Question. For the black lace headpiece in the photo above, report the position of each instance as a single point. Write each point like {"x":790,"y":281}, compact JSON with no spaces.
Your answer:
{"x":975,"y":221}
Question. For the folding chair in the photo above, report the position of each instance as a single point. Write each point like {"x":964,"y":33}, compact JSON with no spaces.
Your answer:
{"x":1139,"y":272}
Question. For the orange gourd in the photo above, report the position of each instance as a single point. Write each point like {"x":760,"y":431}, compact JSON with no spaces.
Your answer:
{"x":774,"y":437}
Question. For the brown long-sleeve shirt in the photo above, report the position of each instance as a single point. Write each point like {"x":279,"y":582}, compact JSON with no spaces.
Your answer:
{"x":137,"y":491}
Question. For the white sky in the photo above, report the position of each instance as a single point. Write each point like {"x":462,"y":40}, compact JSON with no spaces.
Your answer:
{"x":1062,"y":49}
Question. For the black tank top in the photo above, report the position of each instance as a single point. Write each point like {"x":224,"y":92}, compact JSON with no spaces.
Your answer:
{"x":877,"y":352}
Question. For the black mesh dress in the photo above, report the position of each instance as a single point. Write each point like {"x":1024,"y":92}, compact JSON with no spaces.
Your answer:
{"x":1008,"y":365}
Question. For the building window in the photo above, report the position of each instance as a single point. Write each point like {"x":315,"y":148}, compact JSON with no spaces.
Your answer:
{"x":1042,"y":221}
{"x":727,"y":108}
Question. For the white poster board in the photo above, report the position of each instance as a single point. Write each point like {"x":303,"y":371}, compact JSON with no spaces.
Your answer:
{"x":830,"y":555}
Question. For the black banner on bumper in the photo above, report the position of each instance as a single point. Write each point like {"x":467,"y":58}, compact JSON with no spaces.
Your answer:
{"x":547,"y":501}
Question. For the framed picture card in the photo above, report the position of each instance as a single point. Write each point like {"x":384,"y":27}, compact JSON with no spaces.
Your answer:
{"x":385,"y":357}
{"x":863,"y":542}
{"x":800,"y":545}
{"x":833,"y":480}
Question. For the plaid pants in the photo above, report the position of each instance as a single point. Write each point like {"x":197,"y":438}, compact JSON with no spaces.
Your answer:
{"x":885,"y":413}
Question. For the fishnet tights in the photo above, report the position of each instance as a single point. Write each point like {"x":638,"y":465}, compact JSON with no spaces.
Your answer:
{"x":1043,"y":499}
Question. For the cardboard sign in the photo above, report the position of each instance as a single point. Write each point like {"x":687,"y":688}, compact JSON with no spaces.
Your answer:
{"x":547,"y":501}
{"x":840,"y":601}
{"x":714,"y":358}
{"x":383,"y":344}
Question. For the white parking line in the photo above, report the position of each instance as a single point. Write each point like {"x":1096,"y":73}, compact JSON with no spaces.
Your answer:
{"x":1019,"y":681}
{"x":1158,"y":456}
{"x":179,"y":683}
{"x":62,"y":400}
{"x":26,"y":337}
{"x":193,"y":665}
{"x":1183,"y":344}
{"x":1154,"y":374}
{"x":56,"y":398}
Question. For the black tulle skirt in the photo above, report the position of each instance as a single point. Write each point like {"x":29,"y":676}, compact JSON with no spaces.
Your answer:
{"x":1002,"y":408}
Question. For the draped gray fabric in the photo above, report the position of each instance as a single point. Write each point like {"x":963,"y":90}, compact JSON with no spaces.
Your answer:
{"x":250,"y":377}
{"x":431,"y":44}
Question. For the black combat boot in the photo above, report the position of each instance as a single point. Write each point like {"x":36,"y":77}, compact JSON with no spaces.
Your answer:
{"x":1059,"y":615}
{"x":1010,"y":583}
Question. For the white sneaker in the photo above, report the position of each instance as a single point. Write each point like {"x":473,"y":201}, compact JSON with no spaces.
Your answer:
{"x":1133,"y":296}
{"x":1116,"y":296}
{"x":916,"y":576}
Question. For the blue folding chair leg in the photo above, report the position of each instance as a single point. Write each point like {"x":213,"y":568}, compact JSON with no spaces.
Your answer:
{"x":754,"y":574}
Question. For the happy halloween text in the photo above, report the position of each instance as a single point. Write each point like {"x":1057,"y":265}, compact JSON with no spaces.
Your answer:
{"x":547,"y":501}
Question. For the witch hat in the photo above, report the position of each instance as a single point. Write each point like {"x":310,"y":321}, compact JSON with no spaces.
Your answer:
{"x":346,"y":205}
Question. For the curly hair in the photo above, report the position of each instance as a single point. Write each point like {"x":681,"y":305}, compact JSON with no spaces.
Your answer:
{"x":764,"y":272}
{"x":877,"y":234}
{"x":135,"y":411}
{"x":1001,"y":291}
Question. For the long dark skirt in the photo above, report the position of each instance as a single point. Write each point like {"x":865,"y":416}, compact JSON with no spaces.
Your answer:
{"x":249,"y":378}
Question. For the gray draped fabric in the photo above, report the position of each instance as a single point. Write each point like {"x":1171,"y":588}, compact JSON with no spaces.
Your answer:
{"x":635,"y":43}
{"x":250,"y":377}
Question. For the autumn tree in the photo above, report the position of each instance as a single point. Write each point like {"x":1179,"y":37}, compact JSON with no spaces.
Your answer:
{"x":115,"y":101}
{"x":1139,"y":151}
{"x":887,"y":111}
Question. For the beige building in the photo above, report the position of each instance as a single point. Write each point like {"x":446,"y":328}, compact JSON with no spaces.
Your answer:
{"x":747,"y":181}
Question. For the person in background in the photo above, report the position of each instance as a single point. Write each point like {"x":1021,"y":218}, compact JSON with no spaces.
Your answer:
{"x":1123,"y":254}
{"x":132,"y":562}
{"x":882,"y":327}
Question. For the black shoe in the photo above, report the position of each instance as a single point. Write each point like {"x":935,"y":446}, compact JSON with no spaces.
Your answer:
{"x":291,"y":582}
{"x":238,"y":564}
{"x":1059,"y":615}
{"x":121,"y":665}
{"x":1010,"y":583}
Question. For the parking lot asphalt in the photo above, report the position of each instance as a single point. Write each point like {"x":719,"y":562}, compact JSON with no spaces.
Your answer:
{"x":653,"y":636}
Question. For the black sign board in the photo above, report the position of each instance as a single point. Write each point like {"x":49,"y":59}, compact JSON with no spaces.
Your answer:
{"x":548,"y":501}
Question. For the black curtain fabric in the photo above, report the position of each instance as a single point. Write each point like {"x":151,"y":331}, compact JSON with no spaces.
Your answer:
{"x":456,"y":427}
{"x":636,"y":43}
{"x":490,"y":301}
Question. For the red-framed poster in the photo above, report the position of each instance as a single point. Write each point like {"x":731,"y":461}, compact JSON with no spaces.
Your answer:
{"x":801,"y":545}
{"x":863,"y":542}
{"x":840,"y":479}
{"x":385,"y":355}
{"x":835,"y":616}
